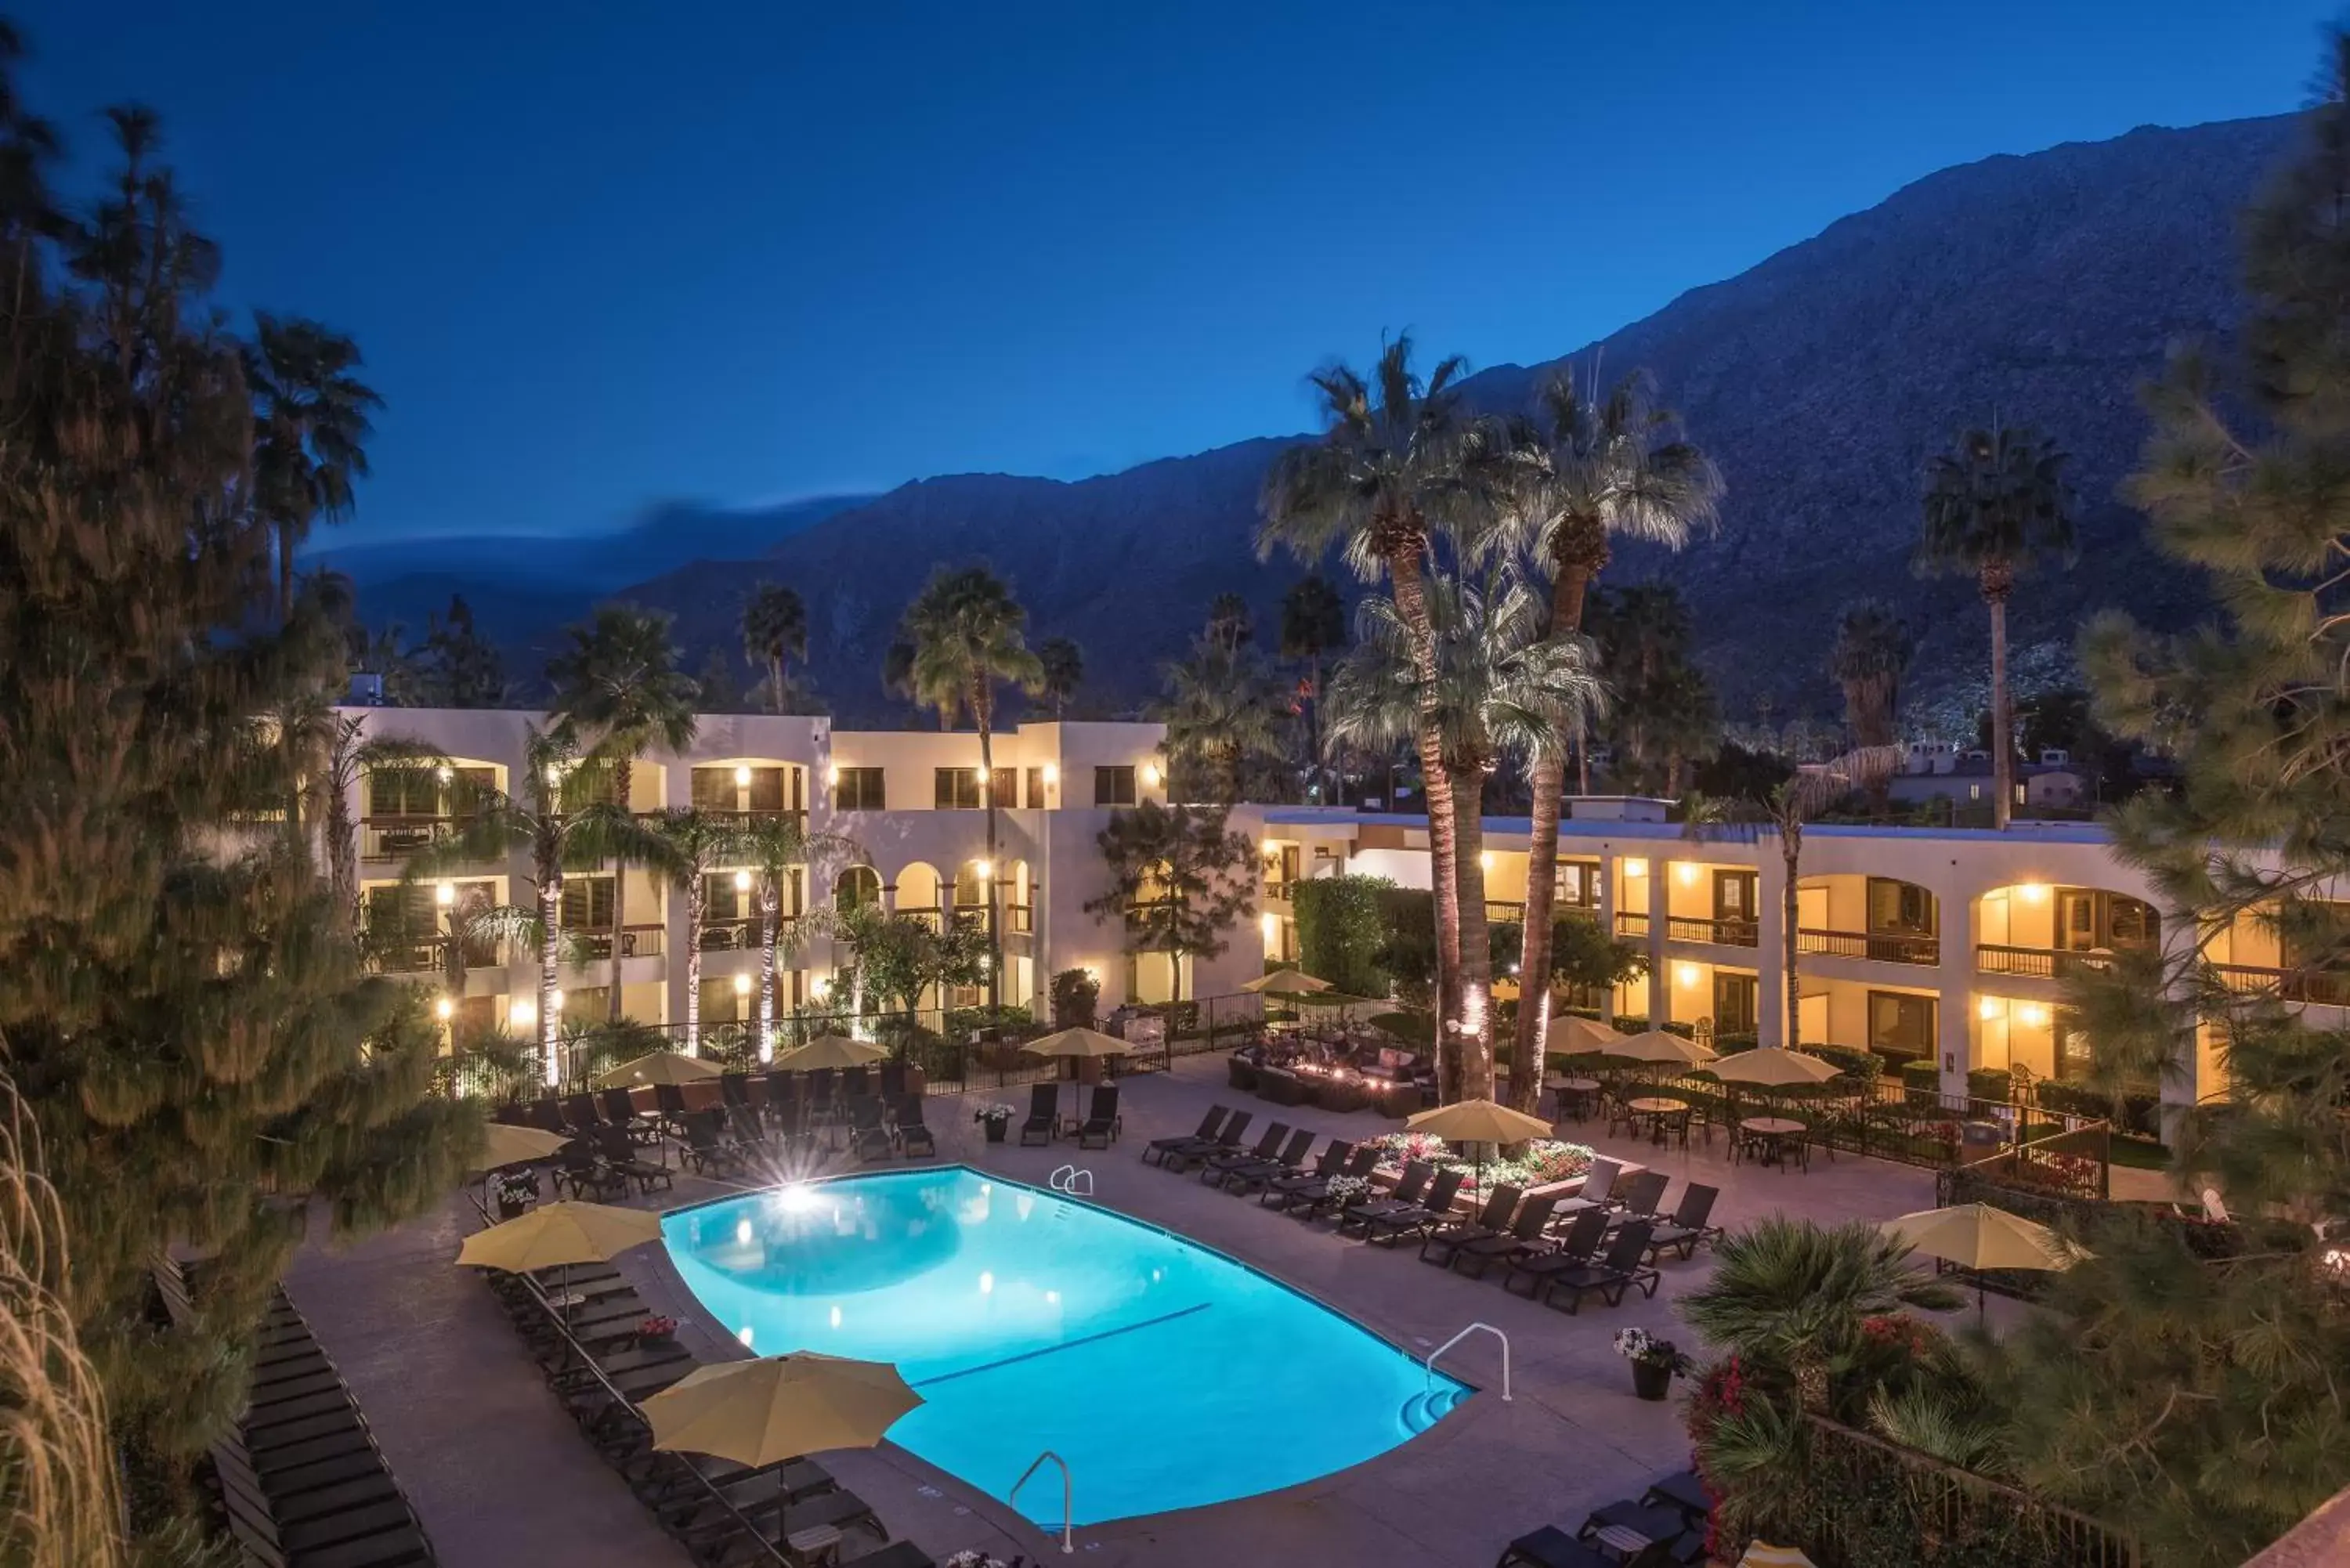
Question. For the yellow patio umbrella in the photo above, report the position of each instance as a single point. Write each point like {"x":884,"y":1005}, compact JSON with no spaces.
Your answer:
{"x":1574,"y":1036}
{"x":657,"y":1067}
{"x":1761,"y":1554}
{"x":1655,"y":1048}
{"x":830,"y":1051}
{"x":504,"y":1144}
{"x":1077,"y":1041}
{"x":1976,"y":1236}
{"x":1284,"y":982}
{"x":1770,"y":1067}
{"x":1480,"y":1122}
{"x":779,"y":1407}
{"x":557,"y":1234}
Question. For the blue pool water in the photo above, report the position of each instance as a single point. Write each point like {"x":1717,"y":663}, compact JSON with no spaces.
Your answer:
{"x":1166,"y":1375}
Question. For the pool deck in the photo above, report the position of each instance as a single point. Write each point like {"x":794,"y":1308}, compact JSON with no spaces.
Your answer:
{"x":500,"y":1476}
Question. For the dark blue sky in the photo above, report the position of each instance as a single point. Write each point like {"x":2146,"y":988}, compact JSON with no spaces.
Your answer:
{"x":602,"y":253}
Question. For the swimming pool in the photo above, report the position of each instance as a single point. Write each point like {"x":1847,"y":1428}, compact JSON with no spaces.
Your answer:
{"x":1167,"y":1375}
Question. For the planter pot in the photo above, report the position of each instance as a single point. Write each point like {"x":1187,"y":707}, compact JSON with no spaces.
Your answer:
{"x":657,"y":1341}
{"x":1651,"y":1383}
{"x":996,"y":1130}
{"x":513,"y":1208}
{"x":917,"y":1080}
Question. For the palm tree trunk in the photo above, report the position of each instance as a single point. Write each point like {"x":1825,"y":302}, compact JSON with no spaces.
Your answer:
{"x":2003,"y":720}
{"x":1443,"y":851}
{"x":771,"y":901}
{"x":550,"y":936}
{"x":1475,"y":1035}
{"x":693,"y":964}
{"x":1548,"y":782}
{"x":342,"y":860}
{"x":285,"y":573}
{"x":1791,"y":850}
{"x":775,"y":684}
{"x":1317,"y":785}
{"x":620,"y":781}
{"x":980,"y":716}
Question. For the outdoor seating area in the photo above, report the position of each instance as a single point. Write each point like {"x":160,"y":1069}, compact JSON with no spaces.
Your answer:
{"x":1333,"y":1068}
{"x":1665,"y":1527}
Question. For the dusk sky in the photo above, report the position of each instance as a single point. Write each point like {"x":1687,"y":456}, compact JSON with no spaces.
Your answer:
{"x":599,"y":255}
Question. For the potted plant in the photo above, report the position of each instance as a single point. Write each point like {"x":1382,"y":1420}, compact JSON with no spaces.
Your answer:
{"x":657,"y":1332}
{"x":514,"y":1192}
{"x":994,"y":1118}
{"x":1653,"y":1361}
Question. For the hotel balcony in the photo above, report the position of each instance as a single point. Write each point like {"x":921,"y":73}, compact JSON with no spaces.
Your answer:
{"x":2319,"y":987}
{"x":2038,"y":963}
{"x":384,"y":838}
{"x":1880,"y":947}
{"x":1722,"y":933}
{"x":1629,"y":923}
{"x":636,"y":942}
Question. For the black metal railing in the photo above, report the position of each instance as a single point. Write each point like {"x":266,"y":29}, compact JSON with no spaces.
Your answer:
{"x":635,"y":942}
{"x":1883,"y":947}
{"x":2038,"y":963}
{"x":2324,"y":987}
{"x":1722,"y":933}
{"x":1628,"y":924}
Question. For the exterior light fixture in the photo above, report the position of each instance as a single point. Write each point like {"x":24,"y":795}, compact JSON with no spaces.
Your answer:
{"x":445,"y":774}
{"x":1635,"y":867}
{"x":1686,"y":974}
{"x":819,"y":985}
{"x":522,"y":1011}
{"x":1686,"y":872}
{"x":1150,"y":774}
{"x":2034,"y":892}
{"x":1271,"y":924}
{"x":743,"y":776}
{"x":444,"y":893}
{"x":2032,"y":1014}
{"x":554,"y":1000}
{"x":741,"y":985}
{"x":1990,"y":1008}
{"x":983,"y":868}
{"x":832,"y":774}
{"x":444,"y":1010}
{"x":1486,"y":859}
{"x":1051,"y":774}
{"x":1270,"y":848}
{"x":742,"y":881}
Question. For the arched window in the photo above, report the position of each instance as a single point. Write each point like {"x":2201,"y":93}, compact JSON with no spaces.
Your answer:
{"x":856,"y":886}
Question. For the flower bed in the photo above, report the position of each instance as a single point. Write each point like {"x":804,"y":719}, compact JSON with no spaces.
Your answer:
{"x":1543,"y":1161}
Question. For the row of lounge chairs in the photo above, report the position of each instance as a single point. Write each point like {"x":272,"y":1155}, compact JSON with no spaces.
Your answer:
{"x":1665,"y":1527}
{"x":1100,"y":1129}
{"x":725,"y":1515}
{"x":301,"y":1482}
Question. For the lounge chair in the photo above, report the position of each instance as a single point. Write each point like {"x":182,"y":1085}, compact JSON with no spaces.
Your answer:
{"x":734,"y":1090}
{"x":1208,"y":1126}
{"x":1637,"y":1196}
{"x":1524,"y":1238}
{"x":1492,"y":1220}
{"x":587,"y":1177}
{"x":868,"y":1140}
{"x":743,"y":1122}
{"x":1572,"y":1249}
{"x":1617,"y":1272}
{"x":893,"y":1081}
{"x":1216,"y":1167}
{"x":1409,"y":1188}
{"x":1596,"y":1184}
{"x":1279,"y":1191}
{"x":1102,"y":1124}
{"x":621,"y":1111}
{"x":1423,"y":1217}
{"x":852,"y":1083}
{"x":1185,"y":1159}
{"x":1043,"y":1113}
{"x":707,"y":1147}
{"x":1309,"y":1203}
{"x":1688,"y":1224}
{"x":1241,"y":1181}
{"x":670,"y":1100}
{"x":579,"y":1114}
{"x":914,"y":1137}
{"x":1551,"y":1547}
{"x":1684,"y":1490}
{"x":621,"y":1155}
{"x":1660,"y":1525}
{"x":785,"y":1105}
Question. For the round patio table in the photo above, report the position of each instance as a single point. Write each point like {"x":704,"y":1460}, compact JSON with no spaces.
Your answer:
{"x":1574,"y":1094}
{"x":1776,"y":1131}
{"x":1659,"y":1109}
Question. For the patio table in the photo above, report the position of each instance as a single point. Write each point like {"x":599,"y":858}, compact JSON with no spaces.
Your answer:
{"x":1775,"y":1132}
{"x":1659,"y":1109}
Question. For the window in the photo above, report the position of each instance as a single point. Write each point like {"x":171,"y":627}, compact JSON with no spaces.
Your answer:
{"x":1735,"y":999}
{"x":1006,"y":788}
{"x":2073,"y":1057}
{"x":859,"y":789}
{"x":1733,"y":894}
{"x":403,"y":792}
{"x":721,"y":1005}
{"x":588,"y":903}
{"x":2088,"y":920}
{"x":1900,"y":1025}
{"x":956,"y":789}
{"x":713,"y":789}
{"x":1114,"y":786}
{"x":721,"y":900}
{"x":1036,"y":789}
{"x":1578,"y":885}
{"x":858,"y":886}
{"x":1900,"y":909}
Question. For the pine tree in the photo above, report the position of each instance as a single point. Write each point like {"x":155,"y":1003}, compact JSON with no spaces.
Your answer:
{"x":458,"y":666}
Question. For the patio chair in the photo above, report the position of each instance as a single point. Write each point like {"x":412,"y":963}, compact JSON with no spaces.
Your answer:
{"x":1682,"y":1489}
{"x":1596,"y":1183}
{"x":1209,"y":1125}
{"x":1551,"y":1547}
{"x":578,"y":1167}
{"x":852,"y":1083}
{"x":1180,"y":1159}
{"x":1044,"y":1112}
{"x":1241,"y":1181}
{"x":1492,"y":1219}
{"x":868,"y":1140}
{"x":893,"y":1082}
{"x":914,"y":1140}
{"x":621,"y":1111}
{"x":1409,"y":1188}
{"x":1310,"y":1203}
{"x":620,"y":1156}
{"x":1617,"y":1272}
{"x":1102,"y":1122}
{"x":707,"y":1146}
{"x":1639,"y":1194}
{"x":1332,"y":1161}
{"x":1393,"y":1226}
{"x":545,"y":1114}
{"x":785,"y":1105}
{"x":1572,"y":1250}
{"x":670,"y":1100}
{"x":1688,"y":1225}
{"x":1524,"y":1236}
{"x":817,"y":1095}
{"x":579,"y":1114}
{"x":1220,"y":1164}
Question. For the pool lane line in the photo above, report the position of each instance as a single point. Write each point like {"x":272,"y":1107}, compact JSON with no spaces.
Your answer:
{"x":1065,"y":1345}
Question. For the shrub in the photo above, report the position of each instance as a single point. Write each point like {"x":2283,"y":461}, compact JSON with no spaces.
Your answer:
{"x":1077,"y":995}
{"x":1342,"y":932}
{"x":1414,"y":1028}
{"x":1408,"y":954}
{"x":1921,"y":1076}
{"x":962,"y":1023}
{"x":1860,"y":1065}
{"x":1990,"y":1084}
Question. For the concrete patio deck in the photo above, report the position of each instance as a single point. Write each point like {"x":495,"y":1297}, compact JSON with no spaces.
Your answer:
{"x":500,"y":1476}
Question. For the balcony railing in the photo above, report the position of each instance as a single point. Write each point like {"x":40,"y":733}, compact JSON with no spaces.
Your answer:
{"x":2325,"y":987}
{"x":1723,"y":933}
{"x":1500,"y":912}
{"x":741,"y":934}
{"x":390,"y":838}
{"x":1884,"y":947}
{"x":967,"y":917}
{"x":429,"y":955}
{"x":635,"y":942}
{"x":1631,"y":924}
{"x":2038,"y":963}
{"x":1279,"y":888}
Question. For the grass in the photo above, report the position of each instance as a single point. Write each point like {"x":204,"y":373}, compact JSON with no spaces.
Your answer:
{"x":2139,"y":1154}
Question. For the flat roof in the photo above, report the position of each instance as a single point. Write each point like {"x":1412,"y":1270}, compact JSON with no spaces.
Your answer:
{"x":2036,"y":832}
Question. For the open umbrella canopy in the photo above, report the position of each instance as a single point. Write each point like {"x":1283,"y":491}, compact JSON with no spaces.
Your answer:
{"x":778,"y":1407}
{"x":657,"y":1067}
{"x":1978,"y":1236}
{"x":1658,"y":1049}
{"x":557,"y":1234}
{"x":1284,"y":982}
{"x":1077,"y":1041}
{"x":1478,"y":1121}
{"x":1771,"y":1068}
{"x":830,"y":1051}
{"x":1583,"y":1037}
{"x":503,"y":1146}
{"x":1763,"y":1555}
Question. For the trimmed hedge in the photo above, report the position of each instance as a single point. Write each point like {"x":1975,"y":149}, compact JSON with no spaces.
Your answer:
{"x":1341,"y":931}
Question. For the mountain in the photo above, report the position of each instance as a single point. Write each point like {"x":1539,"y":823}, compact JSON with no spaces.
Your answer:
{"x":2047,"y":287}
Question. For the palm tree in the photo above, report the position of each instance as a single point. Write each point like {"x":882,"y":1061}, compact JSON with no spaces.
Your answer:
{"x":772,"y":847}
{"x":1390,"y":473}
{"x":617,"y":693}
{"x":1065,"y":670}
{"x":1229,"y":625}
{"x":1792,"y":1294}
{"x":1221,"y":712}
{"x":1312,"y":627}
{"x":309,"y":422}
{"x":1599,"y":468}
{"x":1995,"y":503}
{"x":699,"y":842}
{"x":1872,"y":650}
{"x":1665,"y":713}
{"x":967,"y":634}
{"x":775,"y":630}
{"x":1500,"y":687}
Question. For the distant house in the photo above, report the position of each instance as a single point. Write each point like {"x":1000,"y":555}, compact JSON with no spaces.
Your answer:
{"x":1932,"y":771}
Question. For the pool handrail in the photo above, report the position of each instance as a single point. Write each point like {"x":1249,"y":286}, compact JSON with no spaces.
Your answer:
{"x":1464,"y":1333}
{"x":1068,"y":1494}
{"x":1071,"y":1172}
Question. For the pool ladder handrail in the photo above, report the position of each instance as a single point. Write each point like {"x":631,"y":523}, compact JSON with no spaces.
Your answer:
{"x":1065,"y":1180}
{"x":1068,"y":1493}
{"x":1464,"y":1333}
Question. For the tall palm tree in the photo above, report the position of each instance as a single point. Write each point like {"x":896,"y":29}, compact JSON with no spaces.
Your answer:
{"x":1390,"y":474}
{"x":1599,"y":468}
{"x":617,"y":693}
{"x":1995,"y":502}
{"x":699,"y":842}
{"x":309,"y":426}
{"x":1313,"y":627}
{"x":772,"y":847}
{"x":1500,"y":687}
{"x":1872,"y":650}
{"x":1063,"y":664}
{"x":1221,"y":712}
{"x":968,"y":634}
{"x":1229,"y":625}
{"x":775,"y":630}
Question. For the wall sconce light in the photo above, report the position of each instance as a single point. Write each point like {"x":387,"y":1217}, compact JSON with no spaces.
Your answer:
{"x":1990,"y":1008}
{"x":554,"y":1000}
{"x":1270,"y":848}
{"x":819,"y":985}
{"x":522,"y":1011}
{"x":1270,"y":923}
{"x":983,"y":868}
{"x":1051,"y":774}
{"x":1635,"y":867}
{"x":742,"y":881}
{"x":2032,"y":1014}
{"x":832,"y":774}
{"x":1486,"y":859}
{"x":1685,"y":871}
{"x":444,"y":1010}
{"x":1150,"y":774}
{"x":2034,"y":892}
{"x":742,"y":775}
{"x":444,"y":893}
{"x":445,"y":774}
{"x":1686,"y":975}
{"x":741,"y":985}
